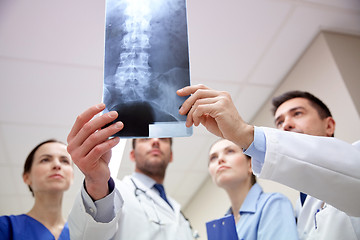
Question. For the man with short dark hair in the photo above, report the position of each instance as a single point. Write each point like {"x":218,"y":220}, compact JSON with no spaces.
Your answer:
{"x":312,"y":161}
{"x":133,"y":208}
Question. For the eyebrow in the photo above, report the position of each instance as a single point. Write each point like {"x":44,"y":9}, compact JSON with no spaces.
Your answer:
{"x":226,"y":148}
{"x":290,"y":110}
{"x":212,"y":154}
{"x":49,"y":155}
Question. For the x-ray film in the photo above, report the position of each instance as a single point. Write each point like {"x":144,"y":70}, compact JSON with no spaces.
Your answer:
{"x":146,"y":61}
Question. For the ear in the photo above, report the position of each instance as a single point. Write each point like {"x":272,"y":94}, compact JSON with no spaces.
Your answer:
{"x":330,"y":126}
{"x":171,"y":156}
{"x":250,"y":166}
{"x":132,"y":155}
{"x":26,"y":179}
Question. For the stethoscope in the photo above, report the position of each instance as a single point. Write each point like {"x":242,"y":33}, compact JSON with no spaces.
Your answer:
{"x":138,"y":191}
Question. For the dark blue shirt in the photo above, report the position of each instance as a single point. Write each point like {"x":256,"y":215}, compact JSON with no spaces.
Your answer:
{"x":19,"y":227}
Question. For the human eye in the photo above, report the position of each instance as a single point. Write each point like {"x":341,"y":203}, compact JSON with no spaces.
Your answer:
{"x":212,"y":158}
{"x":230,"y":150}
{"x":44,"y":160}
{"x":65,"y":160}
{"x":165,"y":140}
{"x":298,"y":113}
{"x":279,"y":123}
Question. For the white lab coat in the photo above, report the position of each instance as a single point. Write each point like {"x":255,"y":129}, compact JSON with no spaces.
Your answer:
{"x":317,"y":220}
{"x":131,"y":222}
{"x":325,"y":168}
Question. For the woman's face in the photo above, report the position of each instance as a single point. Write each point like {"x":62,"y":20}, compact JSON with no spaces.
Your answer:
{"x":51,"y":170}
{"x":228,"y":166}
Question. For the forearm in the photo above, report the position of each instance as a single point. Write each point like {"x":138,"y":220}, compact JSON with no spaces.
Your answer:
{"x":323,"y":167}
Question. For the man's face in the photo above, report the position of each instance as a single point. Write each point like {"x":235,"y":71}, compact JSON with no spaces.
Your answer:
{"x":298,"y":115}
{"x":152,"y":155}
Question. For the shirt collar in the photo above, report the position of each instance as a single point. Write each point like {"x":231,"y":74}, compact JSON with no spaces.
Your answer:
{"x":250,"y":202}
{"x":145,"y":180}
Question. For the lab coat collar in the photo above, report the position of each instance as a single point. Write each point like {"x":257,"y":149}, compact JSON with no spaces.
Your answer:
{"x":147,"y":181}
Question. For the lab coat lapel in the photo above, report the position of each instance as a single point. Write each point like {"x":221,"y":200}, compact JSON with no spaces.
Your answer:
{"x":160,"y":203}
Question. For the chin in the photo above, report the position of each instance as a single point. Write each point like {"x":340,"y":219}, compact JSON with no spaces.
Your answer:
{"x":223,"y":181}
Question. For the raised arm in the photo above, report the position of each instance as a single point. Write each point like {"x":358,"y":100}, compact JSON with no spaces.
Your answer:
{"x":216,"y":111}
{"x":90,"y":148}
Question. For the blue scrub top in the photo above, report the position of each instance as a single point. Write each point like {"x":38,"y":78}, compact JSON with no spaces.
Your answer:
{"x":25,"y":227}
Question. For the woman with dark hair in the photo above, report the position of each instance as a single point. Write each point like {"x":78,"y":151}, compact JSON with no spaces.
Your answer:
{"x":257,"y":215}
{"x":48,"y":172}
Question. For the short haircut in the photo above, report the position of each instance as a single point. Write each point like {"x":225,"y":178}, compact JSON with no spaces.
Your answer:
{"x":134,"y":142}
{"x":320,"y":107}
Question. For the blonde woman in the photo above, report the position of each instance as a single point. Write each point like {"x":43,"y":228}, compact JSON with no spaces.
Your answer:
{"x":257,"y":215}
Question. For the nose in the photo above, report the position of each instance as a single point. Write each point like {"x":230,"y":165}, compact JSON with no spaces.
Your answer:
{"x":155,"y":142}
{"x":288,"y":124}
{"x":56,"y":164}
{"x":221,"y":159}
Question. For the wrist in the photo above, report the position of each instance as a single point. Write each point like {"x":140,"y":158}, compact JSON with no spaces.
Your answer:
{"x":96,"y":189}
{"x":245,"y":136}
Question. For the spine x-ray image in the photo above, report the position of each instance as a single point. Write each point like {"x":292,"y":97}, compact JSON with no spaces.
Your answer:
{"x":146,"y":61}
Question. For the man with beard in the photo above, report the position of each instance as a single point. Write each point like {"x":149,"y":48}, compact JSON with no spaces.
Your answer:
{"x":304,"y":156}
{"x":137,"y":206}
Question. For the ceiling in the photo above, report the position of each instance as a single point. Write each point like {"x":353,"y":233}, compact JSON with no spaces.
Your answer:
{"x":51,"y":69}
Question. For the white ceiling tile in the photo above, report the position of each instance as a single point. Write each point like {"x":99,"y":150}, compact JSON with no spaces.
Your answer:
{"x":18,"y":183}
{"x":126,"y":163}
{"x":68,"y":202}
{"x":172,"y":180}
{"x":202,"y":131}
{"x":4,"y":158}
{"x":250,"y":100}
{"x":221,"y":85}
{"x":26,"y":203}
{"x":10,"y":205}
{"x":301,"y":28}
{"x":55,"y":31}
{"x":182,"y":200}
{"x":30,"y":136}
{"x":202,"y":159}
{"x":122,"y":173}
{"x":40,"y":93}
{"x":186,"y":152}
{"x":77,"y":183}
{"x":6,"y":188}
{"x":190,"y":184}
{"x":346,"y":4}
{"x":127,"y":167}
{"x":229,"y":37}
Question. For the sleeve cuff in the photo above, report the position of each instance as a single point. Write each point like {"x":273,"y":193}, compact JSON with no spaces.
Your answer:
{"x":257,"y":150}
{"x":101,"y":210}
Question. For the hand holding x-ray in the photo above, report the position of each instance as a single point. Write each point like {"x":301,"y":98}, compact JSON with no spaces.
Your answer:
{"x":216,"y":111}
